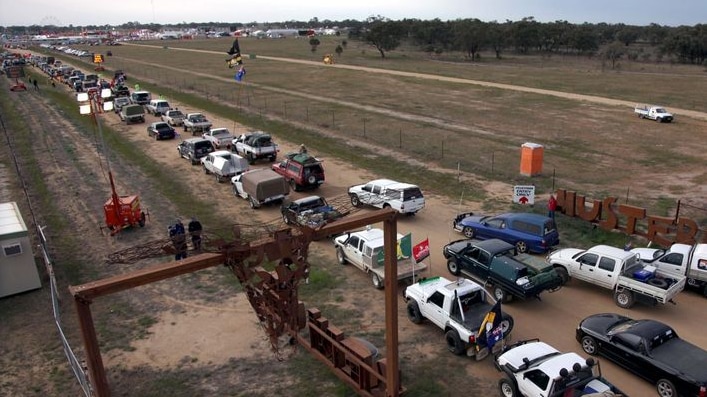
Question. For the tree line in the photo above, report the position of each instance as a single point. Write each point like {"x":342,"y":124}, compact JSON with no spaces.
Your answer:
{"x":683,"y":44}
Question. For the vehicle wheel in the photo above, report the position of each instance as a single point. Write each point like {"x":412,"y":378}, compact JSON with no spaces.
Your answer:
{"x":206,"y":171}
{"x":251,"y":159}
{"x":500,"y":294}
{"x":564,"y":276}
{"x":589,"y":345}
{"x":414,"y":314}
{"x":218,"y":178}
{"x":658,"y":120}
{"x":454,"y":343}
{"x":293,"y":185}
{"x":340,"y":257}
{"x":521,"y":247}
{"x":355,"y":201}
{"x":507,"y":388}
{"x":285,"y":219}
{"x":468,"y":232}
{"x":273,"y":158}
{"x":235,"y":191}
{"x":157,"y":137}
{"x":185,"y":129}
{"x":658,"y":282}
{"x":453,"y":267}
{"x":312,"y":179}
{"x":704,"y":291}
{"x":377,"y":282}
{"x":141,"y":222}
{"x":507,"y":325}
{"x":624,"y":299}
{"x":666,"y":388}
{"x":253,"y":204}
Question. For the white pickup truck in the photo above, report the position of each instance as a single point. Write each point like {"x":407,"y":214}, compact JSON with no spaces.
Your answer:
{"x":256,"y":145}
{"x":618,"y":270}
{"x":364,"y":249}
{"x":682,"y":259}
{"x":220,"y":138}
{"x":536,"y":369}
{"x":459,"y":308}
{"x":656,"y":113}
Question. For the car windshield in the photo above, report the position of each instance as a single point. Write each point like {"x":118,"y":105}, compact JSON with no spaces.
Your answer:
{"x":163,"y":126}
{"x":175,"y":113}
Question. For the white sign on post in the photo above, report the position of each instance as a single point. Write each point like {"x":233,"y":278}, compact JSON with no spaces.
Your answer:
{"x":524,"y":194}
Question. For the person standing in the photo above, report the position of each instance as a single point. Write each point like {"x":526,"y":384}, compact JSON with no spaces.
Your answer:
{"x":194,"y":229}
{"x":551,"y":206}
{"x":179,"y":240}
{"x":36,"y":86}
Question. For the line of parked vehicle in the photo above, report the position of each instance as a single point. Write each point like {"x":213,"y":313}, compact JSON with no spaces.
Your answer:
{"x":493,"y":254}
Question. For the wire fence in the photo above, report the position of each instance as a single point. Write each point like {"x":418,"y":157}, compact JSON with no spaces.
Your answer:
{"x":77,"y":366}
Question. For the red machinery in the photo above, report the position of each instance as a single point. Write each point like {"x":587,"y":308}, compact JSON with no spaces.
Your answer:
{"x":122,"y":211}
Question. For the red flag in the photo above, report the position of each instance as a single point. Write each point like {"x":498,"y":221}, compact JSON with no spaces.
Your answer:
{"x":421,"y":250}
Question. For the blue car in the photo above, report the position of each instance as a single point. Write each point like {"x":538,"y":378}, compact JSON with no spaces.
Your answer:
{"x":528,"y":232}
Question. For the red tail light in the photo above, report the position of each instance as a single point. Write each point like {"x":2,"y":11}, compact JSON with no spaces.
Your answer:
{"x":703,"y":391}
{"x":472,"y":340}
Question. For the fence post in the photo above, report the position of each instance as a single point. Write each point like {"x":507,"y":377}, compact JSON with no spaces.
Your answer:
{"x":333,"y":121}
{"x":400,"y":138}
{"x":364,"y":127}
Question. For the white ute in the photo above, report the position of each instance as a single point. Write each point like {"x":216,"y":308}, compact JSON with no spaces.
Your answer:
{"x":459,"y":308}
{"x":536,"y":369}
{"x":620,"y":271}
{"x":656,"y":113}
{"x":364,"y":249}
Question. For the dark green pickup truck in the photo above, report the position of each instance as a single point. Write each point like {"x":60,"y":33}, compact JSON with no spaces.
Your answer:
{"x":495,"y":263}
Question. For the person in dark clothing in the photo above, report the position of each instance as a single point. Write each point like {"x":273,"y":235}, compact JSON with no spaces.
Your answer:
{"x":194,"y":229}
{"x":179,"y":239}
{"x":36,"y":87}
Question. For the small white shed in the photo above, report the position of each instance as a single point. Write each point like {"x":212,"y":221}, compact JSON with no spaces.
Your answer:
{"x":18,"y":271}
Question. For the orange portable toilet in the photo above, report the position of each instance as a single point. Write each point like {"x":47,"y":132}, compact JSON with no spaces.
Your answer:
{"x":531,"y":159}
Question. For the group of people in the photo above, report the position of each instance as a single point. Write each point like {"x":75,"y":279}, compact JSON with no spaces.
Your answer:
{"x":178,"y":235}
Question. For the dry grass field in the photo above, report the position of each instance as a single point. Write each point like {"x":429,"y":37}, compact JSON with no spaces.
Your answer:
{"x":593,"y":147}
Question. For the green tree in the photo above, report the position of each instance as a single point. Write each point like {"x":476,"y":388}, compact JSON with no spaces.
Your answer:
{"x":383,"y":34}
{"x":497,"y":35}
{"x":613,"y":52}
{"x":314,"y":42}
{"x":470,"y":36}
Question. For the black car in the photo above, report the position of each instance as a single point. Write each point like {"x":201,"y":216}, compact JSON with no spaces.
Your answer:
{"x":121,"y":90}
{"x":650,"y":349}
{"x":161,"y":130}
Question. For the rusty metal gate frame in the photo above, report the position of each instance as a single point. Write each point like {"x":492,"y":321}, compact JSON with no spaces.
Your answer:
{"x":84,"y":294}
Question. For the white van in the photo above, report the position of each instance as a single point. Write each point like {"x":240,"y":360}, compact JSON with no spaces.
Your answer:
{"x":402,"y":197}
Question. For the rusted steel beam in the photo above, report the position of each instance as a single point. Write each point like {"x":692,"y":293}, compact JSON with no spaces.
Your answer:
{"x":353,"y":222}
{"x":94,"y":361}
{"x":390,"y":248}
{"x":136,"y":278}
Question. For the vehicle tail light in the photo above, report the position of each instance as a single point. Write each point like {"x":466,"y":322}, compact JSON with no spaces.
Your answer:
{"x":543,"y":243}
{"x":703,"y":391}
{"x":472,"y":340}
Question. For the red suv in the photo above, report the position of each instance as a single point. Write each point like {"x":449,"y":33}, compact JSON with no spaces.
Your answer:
{"x":301,"y":170}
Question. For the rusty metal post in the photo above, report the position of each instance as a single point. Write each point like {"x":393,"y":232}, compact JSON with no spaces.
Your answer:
{"x":390,"y":246}
{"x":96,"y":372}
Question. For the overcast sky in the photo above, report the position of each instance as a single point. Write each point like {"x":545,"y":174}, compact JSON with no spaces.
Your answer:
{"x":106,"y":12}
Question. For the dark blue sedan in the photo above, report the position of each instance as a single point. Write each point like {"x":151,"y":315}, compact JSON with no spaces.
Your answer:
{"x":528,"y":232}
